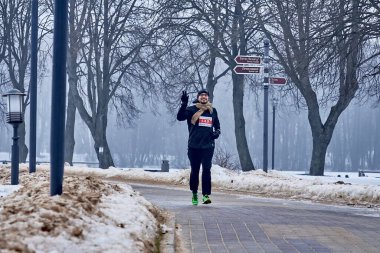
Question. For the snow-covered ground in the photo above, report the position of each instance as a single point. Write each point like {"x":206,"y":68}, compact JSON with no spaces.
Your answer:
{"x":291,"y":185}
{"x":97,"y":214}
{"x":90,"y":216}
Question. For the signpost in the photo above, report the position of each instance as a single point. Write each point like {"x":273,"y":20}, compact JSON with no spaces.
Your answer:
{"x":247,"y":64}
{"x":266,"y":90}
{"x":246,"y":70}
{"x":252,"y":64}
{"x":248,"y":59}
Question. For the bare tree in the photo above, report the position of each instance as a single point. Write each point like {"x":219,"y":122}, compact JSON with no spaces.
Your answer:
{"x":116,"y":31}
{"x":226,"y":29}
{"x":319,"y":50}
{"x":188,"y":58}
{"x":16,"y":22}
{"x":239,"y":37}
{"x":77,"y":21}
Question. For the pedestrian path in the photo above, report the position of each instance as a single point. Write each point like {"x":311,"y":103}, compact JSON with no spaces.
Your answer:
{"x":238,"y":223}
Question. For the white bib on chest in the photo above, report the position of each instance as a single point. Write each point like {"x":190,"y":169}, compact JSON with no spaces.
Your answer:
{"x":205,"y":121}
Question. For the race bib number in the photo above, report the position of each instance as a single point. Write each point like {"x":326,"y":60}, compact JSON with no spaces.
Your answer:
{"x":205,"y":121}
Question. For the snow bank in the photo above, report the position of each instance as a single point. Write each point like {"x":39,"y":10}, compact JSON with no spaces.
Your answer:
{"x":90,"y":216}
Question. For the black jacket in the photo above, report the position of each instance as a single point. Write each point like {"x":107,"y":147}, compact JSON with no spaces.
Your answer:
{"x":200,"y":136}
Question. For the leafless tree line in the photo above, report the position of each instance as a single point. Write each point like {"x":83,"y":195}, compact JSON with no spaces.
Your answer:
{"x":15,"y":27}
{"x":126,"y":48}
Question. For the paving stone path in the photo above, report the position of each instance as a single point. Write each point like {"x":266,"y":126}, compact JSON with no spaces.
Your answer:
{"x":239,"y":223}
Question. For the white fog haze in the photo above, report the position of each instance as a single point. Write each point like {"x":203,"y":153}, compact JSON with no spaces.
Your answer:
{"x":156,"y":136}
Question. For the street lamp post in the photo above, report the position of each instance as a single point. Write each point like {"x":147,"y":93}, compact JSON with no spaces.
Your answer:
{"x":15,"y":117}
{"x":58,"y":110}
{"x":33,"y":87}
{"x":274,"y":104}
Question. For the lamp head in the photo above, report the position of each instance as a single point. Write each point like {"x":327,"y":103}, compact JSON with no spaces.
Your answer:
{"x":15,"y":103}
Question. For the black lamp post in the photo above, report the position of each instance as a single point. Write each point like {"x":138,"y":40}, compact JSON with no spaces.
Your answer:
{"x":274,"y":104}
{"x":33,"y":87}
{"x":15,"y":117}
{"x":58,"y":110}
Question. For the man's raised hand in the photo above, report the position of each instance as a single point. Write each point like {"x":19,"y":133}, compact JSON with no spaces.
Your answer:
{"x":184,"y":97}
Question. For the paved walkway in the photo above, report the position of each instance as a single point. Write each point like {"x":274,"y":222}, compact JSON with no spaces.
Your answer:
{"x":238,"y":223}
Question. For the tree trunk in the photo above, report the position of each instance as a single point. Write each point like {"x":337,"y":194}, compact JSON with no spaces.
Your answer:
{"x":317,"y":165}
{"x":105,"y":157}
{"x":23,"y":148}
{"x":322,"y":133}
{"x":72,"y":80}
{"x":101,"y":144}
{"x":70,"y":126}
{"x":238,"y":45}
{"x":211,"y":81}
{"x":241,"y":140}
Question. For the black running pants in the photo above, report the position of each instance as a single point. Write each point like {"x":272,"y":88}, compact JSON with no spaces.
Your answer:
{"x":198,"y":157}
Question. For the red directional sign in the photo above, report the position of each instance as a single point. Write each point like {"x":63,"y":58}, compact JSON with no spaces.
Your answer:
{"x":247,"y":70}
{"x":277,"y":80}
{"x":248,"y":59}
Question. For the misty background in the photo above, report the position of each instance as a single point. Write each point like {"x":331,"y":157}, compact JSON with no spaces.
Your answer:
{"x":157,"y":136}
{"x":128,"y":62}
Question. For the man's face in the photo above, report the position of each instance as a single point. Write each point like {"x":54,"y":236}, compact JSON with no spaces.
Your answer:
{"x":203,"y":98}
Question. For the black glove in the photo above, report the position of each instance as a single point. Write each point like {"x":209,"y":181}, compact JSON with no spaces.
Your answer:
{"x":215,"y":134}
{"x":184,"y":97}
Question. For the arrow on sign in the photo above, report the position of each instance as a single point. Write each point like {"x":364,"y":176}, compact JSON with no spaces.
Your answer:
{"x":247,"y":59}
{"x":242,"y":70}
{"x":277,"y":80}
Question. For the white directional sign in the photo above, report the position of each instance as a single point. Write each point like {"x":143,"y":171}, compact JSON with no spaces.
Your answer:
{"x":248,"y":59}
{"x":246,"y":70}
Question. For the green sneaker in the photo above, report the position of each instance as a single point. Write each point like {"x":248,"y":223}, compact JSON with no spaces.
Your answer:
{"x":206,"y":199}
{"x":194,"y":200}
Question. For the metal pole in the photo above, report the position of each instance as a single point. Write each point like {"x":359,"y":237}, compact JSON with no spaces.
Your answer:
{"x":57,"y":140}
{"x":266,"y":86}
{"x":273,"y":133}
{"x":33,"y":88}
{"x":15,"y":158}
